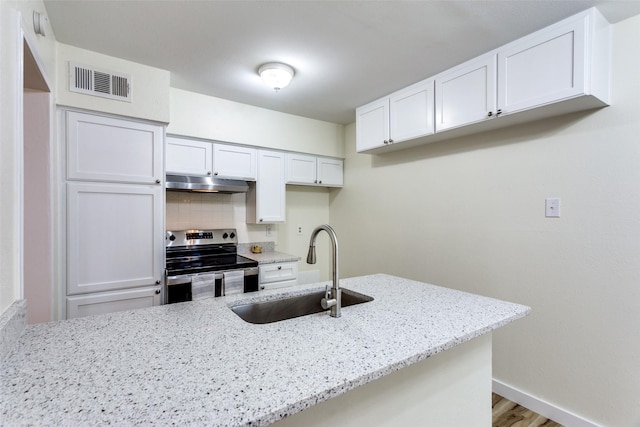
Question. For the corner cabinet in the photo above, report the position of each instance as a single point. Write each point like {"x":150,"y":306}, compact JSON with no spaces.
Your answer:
{"x":560,"y":69}
{"x":404,"y":115}
{"x":311,"y":170}
{"x":266,"y":197}
{"x":114,"y":213}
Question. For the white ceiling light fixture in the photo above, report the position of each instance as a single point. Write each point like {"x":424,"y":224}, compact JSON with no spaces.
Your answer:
{"x":276,"y":75}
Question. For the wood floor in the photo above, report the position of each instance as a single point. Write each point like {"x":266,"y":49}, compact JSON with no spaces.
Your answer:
{"x":509,"y":414}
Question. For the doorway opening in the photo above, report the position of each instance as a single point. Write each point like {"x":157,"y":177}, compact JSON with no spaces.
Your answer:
{"x":37,"y":220}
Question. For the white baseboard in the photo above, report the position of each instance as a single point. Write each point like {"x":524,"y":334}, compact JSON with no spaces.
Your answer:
{"x":541,"y":407}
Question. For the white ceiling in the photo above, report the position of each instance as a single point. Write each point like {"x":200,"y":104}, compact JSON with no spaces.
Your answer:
{"x":345,"y":53}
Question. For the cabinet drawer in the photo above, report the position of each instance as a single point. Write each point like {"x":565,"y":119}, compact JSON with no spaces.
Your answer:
{"x":280,"y":272}
{"x":109,"y":302}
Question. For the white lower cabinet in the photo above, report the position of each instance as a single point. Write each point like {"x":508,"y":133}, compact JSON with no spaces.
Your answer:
{"x":278,"y":275}
{"x":109,"y":302}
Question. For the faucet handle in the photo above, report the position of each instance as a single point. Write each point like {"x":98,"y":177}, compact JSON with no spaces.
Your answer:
{"x":328,"y":302}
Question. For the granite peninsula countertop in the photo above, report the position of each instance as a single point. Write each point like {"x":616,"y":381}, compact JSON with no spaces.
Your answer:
{"x":198,"y":363}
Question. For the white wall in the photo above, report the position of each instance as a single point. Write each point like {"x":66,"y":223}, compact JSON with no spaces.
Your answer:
{"x":207,"y":117}
{"x":16,"y":22}
{"x":469,"y":214}
{"x":149,"y":86}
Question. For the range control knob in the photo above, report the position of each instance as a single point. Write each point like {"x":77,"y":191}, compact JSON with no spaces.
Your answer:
{"x":233,"y":234}
{"x":225,"y":235}
{"x":172,"y":237}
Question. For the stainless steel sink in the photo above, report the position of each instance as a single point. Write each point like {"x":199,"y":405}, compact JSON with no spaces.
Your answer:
{"x":295,"y":306}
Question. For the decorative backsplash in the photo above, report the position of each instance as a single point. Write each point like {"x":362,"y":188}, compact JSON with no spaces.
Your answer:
{"x":204,"y":211}
{"x":199,"y":211}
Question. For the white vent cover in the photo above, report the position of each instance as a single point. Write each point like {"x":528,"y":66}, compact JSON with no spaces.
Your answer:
{"x":96,"y":82}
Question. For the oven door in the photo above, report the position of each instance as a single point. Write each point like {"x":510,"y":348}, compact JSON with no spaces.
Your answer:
{"x":236,"y":281}
{"x":178,"y":289}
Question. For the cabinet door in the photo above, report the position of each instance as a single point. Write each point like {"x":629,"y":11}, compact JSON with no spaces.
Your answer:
{"x":301,"y":169}
{"x":234,"y":162}
{"x":109,"y":302}
{"x":189,"y":157}
{"x":266,"y":199}
{"x":103,"y":148}
{"x":115,"y":237}
{"x":411,"y":112}
{"x":330,"y":172}
{"x":466,"y":94}
{"x":546,"y":67}
{"x":372,"y":125}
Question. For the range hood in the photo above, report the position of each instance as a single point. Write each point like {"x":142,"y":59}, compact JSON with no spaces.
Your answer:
{"x":205,"y":184}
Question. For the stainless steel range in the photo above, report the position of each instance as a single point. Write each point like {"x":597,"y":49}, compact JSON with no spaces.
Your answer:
{"x":201,"y":263}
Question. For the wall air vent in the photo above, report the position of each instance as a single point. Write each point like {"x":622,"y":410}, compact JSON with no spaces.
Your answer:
{"x":106,"y":84}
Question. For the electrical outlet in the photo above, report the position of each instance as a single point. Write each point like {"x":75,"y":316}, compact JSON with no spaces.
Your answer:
{"x":552,"y":207}
{"x":299,"y":229}
{"x":269,"y":230}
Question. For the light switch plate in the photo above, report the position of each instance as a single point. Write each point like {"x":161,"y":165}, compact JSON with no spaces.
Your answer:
{"x":552,"y":207}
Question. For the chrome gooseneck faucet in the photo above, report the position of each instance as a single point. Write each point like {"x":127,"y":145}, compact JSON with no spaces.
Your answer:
{"x":333,"y":297}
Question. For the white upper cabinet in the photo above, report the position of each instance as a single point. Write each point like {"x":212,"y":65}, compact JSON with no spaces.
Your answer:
{"x":330,"y":172}
{"x":411,"y":112}
{"x":305,"y":169}
{"x":231,"y":161}
{"x":466,"y":94}
{"x":372,"y":125}
{"x":404,"y":115}
{"x":206,"y":158}
{"x":101,"y":148}
{"x":560,"y":69}
{"x":566,"y":60}
{"x":266,"y":198}
{"x":189,"y":157}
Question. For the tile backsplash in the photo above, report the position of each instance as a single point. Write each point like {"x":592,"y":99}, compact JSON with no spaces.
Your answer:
{"x":199,"y":210}
{"x":204,"y":211}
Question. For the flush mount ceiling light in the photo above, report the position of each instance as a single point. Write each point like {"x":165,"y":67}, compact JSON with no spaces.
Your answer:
{"x":276,"y":75}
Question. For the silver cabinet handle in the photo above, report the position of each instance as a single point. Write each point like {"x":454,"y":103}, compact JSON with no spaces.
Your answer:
{"x":157,"y":291}
{"x":215,"y":173}
{"x":208,"y":172}
{"x":390,"y":141}
{"x":386,"y":142}
{"x":158,"y":181}
{"x":279,"y":267}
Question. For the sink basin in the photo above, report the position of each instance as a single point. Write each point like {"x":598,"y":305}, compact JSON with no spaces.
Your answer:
{"x":295,"y":306}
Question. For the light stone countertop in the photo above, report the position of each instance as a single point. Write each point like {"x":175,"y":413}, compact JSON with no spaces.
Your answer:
{"x":270,"y":257}
{"x":198,"y":363}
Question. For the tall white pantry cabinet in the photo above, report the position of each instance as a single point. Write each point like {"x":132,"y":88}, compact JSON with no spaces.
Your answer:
{"x":114,"y":213}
